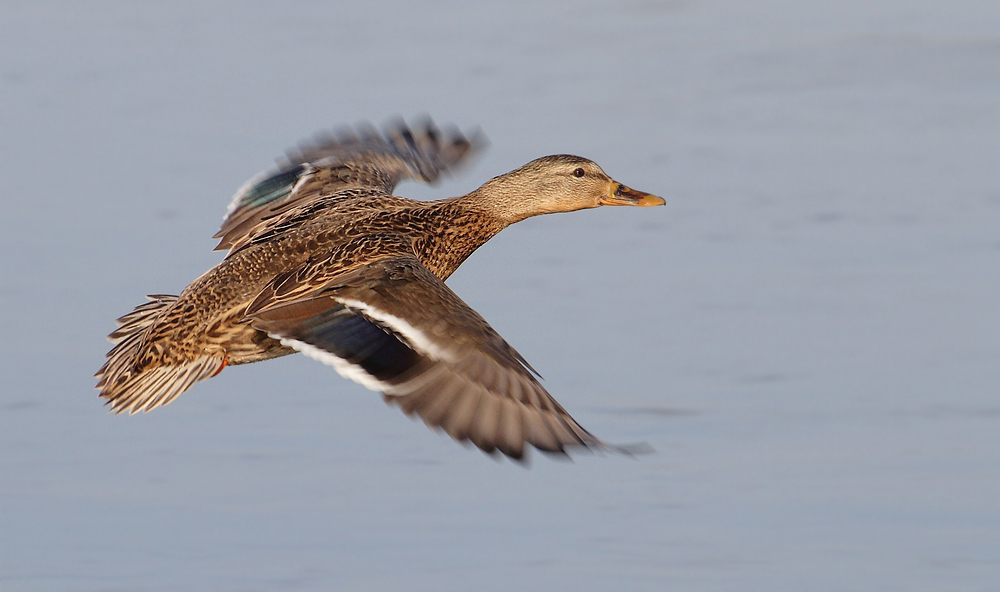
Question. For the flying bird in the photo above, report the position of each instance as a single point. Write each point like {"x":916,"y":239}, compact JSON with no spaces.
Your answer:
{"x":323,"y":259}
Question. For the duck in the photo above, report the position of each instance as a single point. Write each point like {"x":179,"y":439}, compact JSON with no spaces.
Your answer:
{"x":323,"y":259}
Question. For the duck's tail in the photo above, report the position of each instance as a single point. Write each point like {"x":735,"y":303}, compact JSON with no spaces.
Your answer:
{"x":139,"y":375}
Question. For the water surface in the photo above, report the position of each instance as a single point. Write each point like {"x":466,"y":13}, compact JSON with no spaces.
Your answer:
{"x":808,"y":333}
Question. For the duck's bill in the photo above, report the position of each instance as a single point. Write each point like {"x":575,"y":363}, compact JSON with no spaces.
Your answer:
{"x":625,"y":196}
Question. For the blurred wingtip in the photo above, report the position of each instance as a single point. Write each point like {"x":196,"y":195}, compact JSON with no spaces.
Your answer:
{"x":632,"y":450}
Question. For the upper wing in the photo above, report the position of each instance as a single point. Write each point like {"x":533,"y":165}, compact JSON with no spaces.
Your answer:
{"x":394,"y":327}
{"x":362,"y":157}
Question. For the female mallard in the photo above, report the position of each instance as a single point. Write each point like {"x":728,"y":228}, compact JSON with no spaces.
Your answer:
{"x":324,"y":260}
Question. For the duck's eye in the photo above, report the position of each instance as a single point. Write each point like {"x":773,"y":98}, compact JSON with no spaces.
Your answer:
{"x":578,"y":173}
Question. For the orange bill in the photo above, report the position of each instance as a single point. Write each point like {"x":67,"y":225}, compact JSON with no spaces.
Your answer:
{"x":621,"y":195}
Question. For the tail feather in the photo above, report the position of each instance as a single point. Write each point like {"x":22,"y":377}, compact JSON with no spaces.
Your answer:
{"x":135,"y":322}
{"x":131,"y":388}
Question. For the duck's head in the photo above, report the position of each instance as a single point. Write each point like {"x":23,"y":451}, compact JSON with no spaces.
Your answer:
{"x":559,"y":183}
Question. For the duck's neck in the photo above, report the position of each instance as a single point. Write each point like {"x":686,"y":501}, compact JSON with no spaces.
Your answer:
{"x":443,"y":247}
{"x":474,"y":219}
{"x":502,"y":199}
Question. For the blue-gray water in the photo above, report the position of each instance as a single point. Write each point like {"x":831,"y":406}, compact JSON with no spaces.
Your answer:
{"x":808,"y":333}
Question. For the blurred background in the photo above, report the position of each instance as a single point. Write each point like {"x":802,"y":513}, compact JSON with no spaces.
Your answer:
{"x":808,"y":333}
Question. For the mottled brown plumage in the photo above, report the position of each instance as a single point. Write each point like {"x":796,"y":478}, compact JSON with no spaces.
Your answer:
{"x":322,"y":259}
